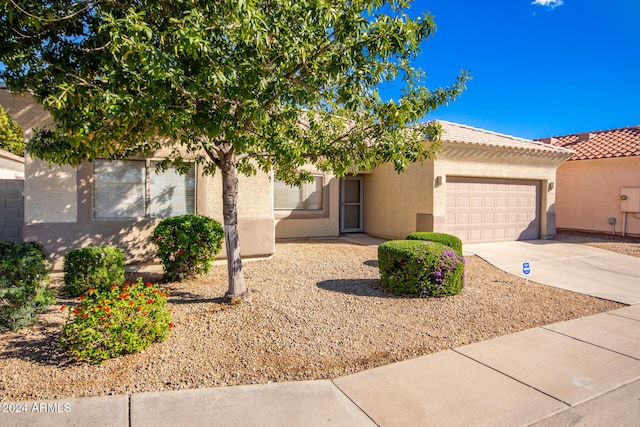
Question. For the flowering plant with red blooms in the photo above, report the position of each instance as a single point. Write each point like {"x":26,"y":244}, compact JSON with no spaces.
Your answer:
{"x":115,"y":321}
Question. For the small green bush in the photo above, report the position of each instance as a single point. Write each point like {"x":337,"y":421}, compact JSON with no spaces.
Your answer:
{"x":92,"y":267}
{"x":446,"y":239}
{"x":24,"y":284}
{"x":115,"y":321}
{"x":428,"y":269}
{"x":187,"y":244}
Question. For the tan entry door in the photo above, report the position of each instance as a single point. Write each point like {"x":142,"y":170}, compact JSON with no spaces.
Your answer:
{"x":351,"y":204}
{"x":486,"y":210}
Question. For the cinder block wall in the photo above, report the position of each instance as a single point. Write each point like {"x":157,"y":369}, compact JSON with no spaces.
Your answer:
{"x":11,"y":210}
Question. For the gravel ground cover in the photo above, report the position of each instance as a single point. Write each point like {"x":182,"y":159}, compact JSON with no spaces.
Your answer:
{"x":614,"y":243}
{"x":318,"y":311}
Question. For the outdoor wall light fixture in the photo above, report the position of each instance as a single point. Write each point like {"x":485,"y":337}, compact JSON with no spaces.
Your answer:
{"x":438,"y":181}
{"x":552,"y":185}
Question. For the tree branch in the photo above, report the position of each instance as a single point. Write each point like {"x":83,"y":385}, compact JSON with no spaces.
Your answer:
{"x":75,"y":76}
{"x":290,"y":76}
{"x":39,"y":18}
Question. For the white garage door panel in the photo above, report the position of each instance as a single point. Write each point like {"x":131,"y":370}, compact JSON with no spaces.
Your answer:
{"x":482,"y":210}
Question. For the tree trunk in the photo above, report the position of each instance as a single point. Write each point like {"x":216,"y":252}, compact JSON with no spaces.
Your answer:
{"x":238,"y":291}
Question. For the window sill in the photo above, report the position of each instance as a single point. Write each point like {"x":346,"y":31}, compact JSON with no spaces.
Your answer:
{"x":300,"y":214}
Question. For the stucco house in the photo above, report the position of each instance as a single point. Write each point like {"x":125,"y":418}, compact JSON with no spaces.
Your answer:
{"x":599,"y":187}
{"x":119,"y":203}
{"x":483,"y":186}
{"x":11,"y":166}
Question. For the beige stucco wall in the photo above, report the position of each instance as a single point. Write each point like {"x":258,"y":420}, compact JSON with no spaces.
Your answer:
{"x":255,"y":211}
{"x":23,"y":108}
{"x":588,"y":194}
{"x":397,"y":205}
{"x":294,"y":225}
{"x":49,"y":193}
{"x":70,"y":223}
{"x":255,"y":195}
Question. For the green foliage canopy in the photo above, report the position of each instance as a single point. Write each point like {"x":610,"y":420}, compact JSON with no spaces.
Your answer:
{"x":11,"y":137}
{"x":263,"y":83}
{"x":236,"y":85}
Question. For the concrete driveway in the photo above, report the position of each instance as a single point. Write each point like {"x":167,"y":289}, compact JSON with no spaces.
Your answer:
{"x":577,"y":268}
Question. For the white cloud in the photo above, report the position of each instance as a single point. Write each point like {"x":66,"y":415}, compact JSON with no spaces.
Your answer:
{"x":551,"y":4}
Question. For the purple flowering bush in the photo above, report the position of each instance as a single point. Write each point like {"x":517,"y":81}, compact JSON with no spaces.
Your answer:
{"x":426,"y":269}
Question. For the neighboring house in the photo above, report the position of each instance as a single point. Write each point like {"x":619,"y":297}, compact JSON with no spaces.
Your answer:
{"x":599,"y":187}
{"x":483,"y":186}
{"x":11,"y":166}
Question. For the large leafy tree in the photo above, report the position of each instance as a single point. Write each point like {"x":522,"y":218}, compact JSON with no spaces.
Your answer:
{"x":11,"y":137}
{"x":238,"y":85}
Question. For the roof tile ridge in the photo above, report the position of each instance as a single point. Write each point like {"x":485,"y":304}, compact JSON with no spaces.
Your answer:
{"x":577,"y":134}
{"x":503,"y":135}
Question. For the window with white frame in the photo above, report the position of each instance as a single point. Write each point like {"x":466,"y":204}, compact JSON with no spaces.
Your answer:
{"x":307,"y":197}
{"x":128,"y":189}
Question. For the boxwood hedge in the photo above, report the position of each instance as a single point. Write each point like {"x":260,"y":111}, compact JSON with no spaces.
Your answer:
{"x":428,"y":269}
{"x":446,"y":239}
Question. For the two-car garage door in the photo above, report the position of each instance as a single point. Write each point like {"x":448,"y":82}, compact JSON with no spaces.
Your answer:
{"x":485,"y":210}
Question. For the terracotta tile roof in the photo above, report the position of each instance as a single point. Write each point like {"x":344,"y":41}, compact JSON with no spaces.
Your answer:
{"x":456,"y":133}
{"x":603,"y":144}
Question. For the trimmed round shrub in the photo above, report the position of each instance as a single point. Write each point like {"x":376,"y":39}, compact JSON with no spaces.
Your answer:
{"x":24,"y":284}
{"x":187,"y":244}
{"x":119,"y":320}
{"x":446,"y":239}
{"x":92,"y":267}
{"x":428,"y":269}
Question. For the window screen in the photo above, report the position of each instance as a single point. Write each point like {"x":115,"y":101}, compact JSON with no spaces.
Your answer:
{"x":131,"y":189}
{"x":119,"y":189}
{"x":306,"y":197}
{"x":171,"y":193}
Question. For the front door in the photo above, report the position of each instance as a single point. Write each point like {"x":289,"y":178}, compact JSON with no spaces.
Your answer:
{"x":351,"y":204}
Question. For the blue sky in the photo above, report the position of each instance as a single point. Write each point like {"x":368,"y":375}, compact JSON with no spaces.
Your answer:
{"x":540,"y":67}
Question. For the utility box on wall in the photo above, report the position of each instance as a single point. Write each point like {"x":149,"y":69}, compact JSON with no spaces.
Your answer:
{"x":630,"y":199}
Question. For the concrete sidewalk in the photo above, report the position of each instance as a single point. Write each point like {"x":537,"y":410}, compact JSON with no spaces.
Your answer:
{"x":580,"y":372}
